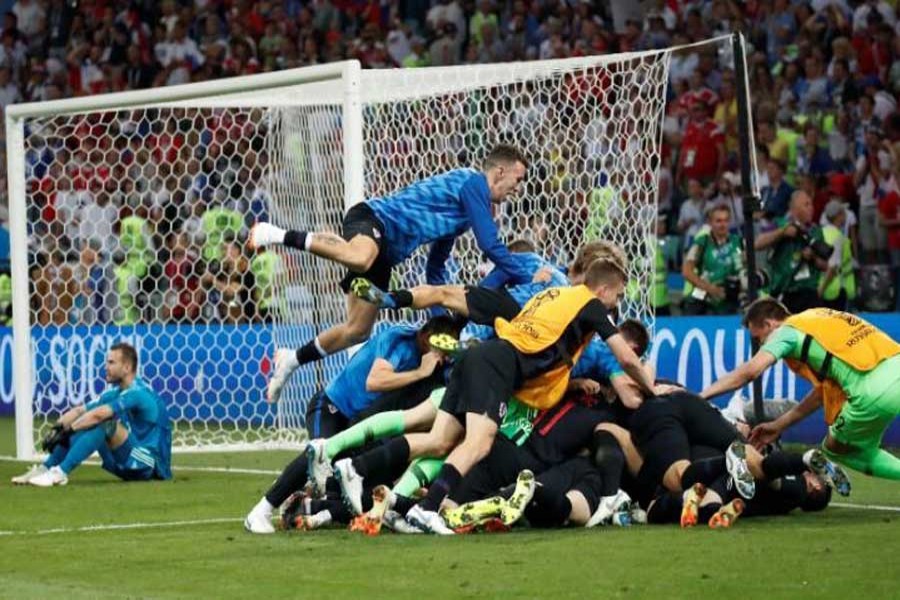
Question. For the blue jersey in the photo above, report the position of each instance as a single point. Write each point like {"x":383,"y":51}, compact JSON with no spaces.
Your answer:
{"x":395,"y":344}
{"x":597,"y":362}
{"x":144,"y":414}
{"x":498,"y":278}
{"x":436,"y":211}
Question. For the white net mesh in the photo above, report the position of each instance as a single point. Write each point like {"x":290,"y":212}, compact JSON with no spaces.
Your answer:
{"x":136,"y":219}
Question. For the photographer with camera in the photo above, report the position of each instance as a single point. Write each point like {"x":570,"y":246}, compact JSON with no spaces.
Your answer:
{"x":713,"y":267}
{"x":799,"y":255}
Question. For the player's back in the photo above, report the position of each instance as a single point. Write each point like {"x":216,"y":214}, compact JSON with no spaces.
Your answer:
{"x":533,"y":263}
{"x":427,"y":210}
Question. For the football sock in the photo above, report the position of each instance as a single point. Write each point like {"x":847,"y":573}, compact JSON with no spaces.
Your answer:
{"x":291,"y":479}
{"x":401,"y":298}
{"x":386,"y":458}
{"x":779,"y":464}
{"x":707,"y":511}
{"x":403,"y":504}
{"x":83,"y":444}
{"x":420,"y":473}
{"x":57,"y":456}
{"x":549,"y":508}
{"x":296,"y":239}
{"x":310,"y":352}
{"x":446,"y":482}
{"x":373,"y":428}
{"x":610,"y":461}
{"x":703,"y":471}
{"x":665,"y":509}
{"x":264,"y":507}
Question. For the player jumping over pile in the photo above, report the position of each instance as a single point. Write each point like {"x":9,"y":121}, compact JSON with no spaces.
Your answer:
{"x":382,"y":232}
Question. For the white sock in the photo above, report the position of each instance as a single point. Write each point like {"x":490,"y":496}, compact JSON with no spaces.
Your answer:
{"x":308,"y":241}
{"x":323,"y":517}
{"x":807,"y":457}
{"x":319,"y":347}
{"x":278,"y":234}
{"x":263,"y":507}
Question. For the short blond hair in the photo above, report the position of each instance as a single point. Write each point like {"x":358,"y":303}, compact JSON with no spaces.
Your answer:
{"x":597,"y":249}
{"x":604,"y":271}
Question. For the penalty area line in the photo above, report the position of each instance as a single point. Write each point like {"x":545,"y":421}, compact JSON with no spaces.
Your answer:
{"x":124,"y":526}
{"x":879,"y":507}
{"x":241,"y":471}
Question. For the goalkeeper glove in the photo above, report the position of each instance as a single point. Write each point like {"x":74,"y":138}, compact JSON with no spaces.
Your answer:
{"x":58,"y":435}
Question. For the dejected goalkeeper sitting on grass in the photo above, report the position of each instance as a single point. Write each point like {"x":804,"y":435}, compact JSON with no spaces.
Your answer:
{"x":127,"y":425}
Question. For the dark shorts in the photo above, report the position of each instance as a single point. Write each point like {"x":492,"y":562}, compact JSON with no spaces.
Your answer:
{"x":360,"y":220}
{"x":562,"y":431}
{"x":323,"y":418}
{"x":482,"y":382}
{"x":485,"y":304}
{"x":578,"y":474}
{"x":498,"y":469}
{"x":664,"y":430}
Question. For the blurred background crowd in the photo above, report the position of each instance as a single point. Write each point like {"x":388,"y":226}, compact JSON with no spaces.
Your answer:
{"x":824,"y":77}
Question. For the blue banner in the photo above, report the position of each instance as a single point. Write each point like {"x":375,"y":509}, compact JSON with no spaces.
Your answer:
{"x":218,"y":372}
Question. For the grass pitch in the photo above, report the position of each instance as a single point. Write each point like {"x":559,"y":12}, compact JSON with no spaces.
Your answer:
{"x":99,"y":538}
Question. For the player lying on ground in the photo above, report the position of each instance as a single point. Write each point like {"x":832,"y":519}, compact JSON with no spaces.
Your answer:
{"x":531,"y":359}
{"x":397,"y":358}
{"x":853,"y":366}
{"x":127,"y":425}
{"x":382,"y":232}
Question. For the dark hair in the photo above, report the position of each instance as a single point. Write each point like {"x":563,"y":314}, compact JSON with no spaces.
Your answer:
{"x":765,"y":308}
{"x":604,"y":270}
{"x":815,"y":502}
{"x":521,"y":245}
{"x":505,"y":154}
{"x":720,"y":206}
{"x":634,"y":331}
{"x":129,"y":354}
{"x":442,"y":324}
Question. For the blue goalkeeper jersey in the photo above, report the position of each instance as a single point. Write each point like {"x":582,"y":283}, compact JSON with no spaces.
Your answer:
{"x":597,"y":362}
{"x":533,"y":262}
{"x":144,"y":414}
{"x":395,"y":344}
{"x":436,"y":211}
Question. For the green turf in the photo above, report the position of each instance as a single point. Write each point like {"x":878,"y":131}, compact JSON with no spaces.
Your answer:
{"x":842,"y":553}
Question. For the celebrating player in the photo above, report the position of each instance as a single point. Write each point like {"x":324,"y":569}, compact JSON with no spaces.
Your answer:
{"x":382,"y":232}
{"x":854,"y":368}
{"x":128,"y":425}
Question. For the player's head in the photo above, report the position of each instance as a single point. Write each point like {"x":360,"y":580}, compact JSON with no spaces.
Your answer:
{"x":719,"y":218}
{"x":764,"y":316}
{"x":521,"y":246}
{"x":636,"y":335}
{"x":809,"y":491}
{"x":592,"y":251}
{"x":505,"y":167}
{"x":121,"y":363}
{"x":437,"y":325}
{"x":606,"y":279}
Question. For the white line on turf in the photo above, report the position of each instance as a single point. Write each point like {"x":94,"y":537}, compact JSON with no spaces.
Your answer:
{"x":179,"y":468}
{"x":114,"y":526}
{"x":866,"y":506}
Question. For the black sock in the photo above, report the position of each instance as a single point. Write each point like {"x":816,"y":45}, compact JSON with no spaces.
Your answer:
{"x":703,"y":471}
{"x":665,"y":509}
{"x":402,"y":298}
{"x":403,"y":504}
{"x":720,"y":486}
{"x":339,"y":512}
{"x":707,"y":511}
{"x":446,"y":482}
{"x":309,"y":353}
{"x":295,"y":239}
{"x":610,"y":461}
{"x":387,"y":457}
{"x":779,"y":464}
{"x":291,"y":479}
{"x":548,"y":508}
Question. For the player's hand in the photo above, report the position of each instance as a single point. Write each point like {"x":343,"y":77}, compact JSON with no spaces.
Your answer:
{"x":542,"y":275}
{"x":663,"y":389}
{"x":764,"y":433}
{"x":58,"y":435}
{"x":430,"y":361}
{"x":588,"y":386}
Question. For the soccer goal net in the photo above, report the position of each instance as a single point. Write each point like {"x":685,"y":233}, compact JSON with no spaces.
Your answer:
{"x":130,"y":211}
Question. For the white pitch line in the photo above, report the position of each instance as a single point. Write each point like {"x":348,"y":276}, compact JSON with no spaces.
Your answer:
{"x":178,"y":468}
{"x":114,"y":526}
{"x":866,"y":506}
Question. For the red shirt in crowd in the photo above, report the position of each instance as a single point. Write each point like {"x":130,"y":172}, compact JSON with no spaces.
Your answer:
{"x":700,"y":147}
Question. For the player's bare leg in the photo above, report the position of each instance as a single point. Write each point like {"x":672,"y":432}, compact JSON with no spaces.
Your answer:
{"x":357,"y":255}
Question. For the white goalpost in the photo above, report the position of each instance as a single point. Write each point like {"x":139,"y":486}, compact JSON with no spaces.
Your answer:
{"x":128,"y":210}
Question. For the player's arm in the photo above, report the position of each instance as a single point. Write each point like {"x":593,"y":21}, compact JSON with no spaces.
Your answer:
{"x":475,"y":198}
{"x":765,"y":433}
{"x":383,"y":378}
{"x":627,"y":390}
{"x":741,"y":376}
{"x":496,"y":279}
{"x":71,"y":415}
{"x":436,"y":267}
{"x":93,"y":417}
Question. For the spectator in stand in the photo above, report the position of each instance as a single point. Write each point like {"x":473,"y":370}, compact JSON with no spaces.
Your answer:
{"x":702,"y":148}
{"x":873,"y":179}
{"x":727,"y":187}
{"x":776,"y":196}
{"x":692,"y":211}
{"x":812,"y":158}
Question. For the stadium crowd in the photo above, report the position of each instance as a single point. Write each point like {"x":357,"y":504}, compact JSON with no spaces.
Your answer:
{"x":823,"y":75}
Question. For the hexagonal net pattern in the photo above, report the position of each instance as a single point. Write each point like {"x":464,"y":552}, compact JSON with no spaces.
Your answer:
{"x":137,"y":220}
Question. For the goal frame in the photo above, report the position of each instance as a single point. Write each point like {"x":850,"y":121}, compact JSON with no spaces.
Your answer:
{"x":348,"y":72}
